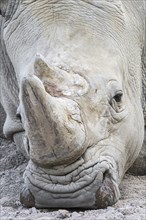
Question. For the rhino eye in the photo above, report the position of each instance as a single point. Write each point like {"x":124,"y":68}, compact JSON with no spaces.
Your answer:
{"x":118,"y":97}
{"x":117,"y":103}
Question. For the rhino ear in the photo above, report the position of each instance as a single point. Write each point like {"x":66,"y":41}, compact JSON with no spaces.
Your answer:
{"x":3,"y":7}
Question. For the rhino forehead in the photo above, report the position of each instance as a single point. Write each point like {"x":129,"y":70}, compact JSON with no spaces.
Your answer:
{"x":58,"y":13}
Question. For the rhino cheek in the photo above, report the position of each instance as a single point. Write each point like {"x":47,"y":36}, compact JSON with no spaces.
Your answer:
{"x":21,"y":141}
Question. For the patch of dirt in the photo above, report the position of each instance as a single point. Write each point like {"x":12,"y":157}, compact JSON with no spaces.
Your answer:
{"x":131,"y":206}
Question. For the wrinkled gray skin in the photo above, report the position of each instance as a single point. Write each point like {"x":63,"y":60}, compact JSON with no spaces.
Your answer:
{"x":71,"y":87}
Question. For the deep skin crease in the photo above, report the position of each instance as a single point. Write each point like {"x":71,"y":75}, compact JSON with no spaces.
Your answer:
{"x":72,"y":94}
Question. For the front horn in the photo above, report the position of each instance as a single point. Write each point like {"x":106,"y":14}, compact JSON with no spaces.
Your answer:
{"x":53,"y":125}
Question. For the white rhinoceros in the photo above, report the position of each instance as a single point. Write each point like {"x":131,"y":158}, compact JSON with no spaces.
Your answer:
{"x":71,"y":87}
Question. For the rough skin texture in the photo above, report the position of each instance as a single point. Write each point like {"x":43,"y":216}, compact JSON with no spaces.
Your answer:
{"x":2,"y":120}
{"x":69,"y":117}
{"x":139,"y":166}
{"x":144,"y":82}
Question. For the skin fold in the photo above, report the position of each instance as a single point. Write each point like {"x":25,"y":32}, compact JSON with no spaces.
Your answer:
{"x":73,"y":91}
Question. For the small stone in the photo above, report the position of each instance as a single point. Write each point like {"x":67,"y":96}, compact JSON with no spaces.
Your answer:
{"x":76,"y":215}
{"x":62,"y":214}
{"x":34,"y":211}
{"x":64,"y":68}
{"x":17,"y":213}
{"x":60,"y":67}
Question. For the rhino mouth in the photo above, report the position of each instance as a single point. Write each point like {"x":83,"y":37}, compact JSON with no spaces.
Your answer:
{"x":89,"y":185}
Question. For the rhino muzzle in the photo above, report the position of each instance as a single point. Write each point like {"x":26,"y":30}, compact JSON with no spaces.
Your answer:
{"x":89,"y":186}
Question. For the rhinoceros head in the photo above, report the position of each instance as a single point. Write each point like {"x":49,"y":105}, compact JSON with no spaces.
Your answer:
{"x":79,"y":99}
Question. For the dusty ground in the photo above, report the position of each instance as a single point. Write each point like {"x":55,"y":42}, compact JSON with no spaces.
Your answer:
{"x":132,"y":205}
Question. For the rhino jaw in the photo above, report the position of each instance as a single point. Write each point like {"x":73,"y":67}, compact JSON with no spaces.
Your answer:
{"x":53,"y":125}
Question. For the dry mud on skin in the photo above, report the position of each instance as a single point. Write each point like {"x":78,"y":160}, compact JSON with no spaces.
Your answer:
{"x":131,"y":206}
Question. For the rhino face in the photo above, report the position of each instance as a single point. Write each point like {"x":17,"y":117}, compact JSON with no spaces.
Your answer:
{"x":80,"y":114}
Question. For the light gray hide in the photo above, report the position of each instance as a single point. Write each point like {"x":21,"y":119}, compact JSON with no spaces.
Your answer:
{"x":2,"y":120}
{"x":139,"y":166}
{"x":10,"y":102}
